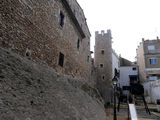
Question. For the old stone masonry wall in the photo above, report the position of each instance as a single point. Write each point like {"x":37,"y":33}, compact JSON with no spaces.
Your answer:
{"x":29,"y":91}
{"x":31,"y":28}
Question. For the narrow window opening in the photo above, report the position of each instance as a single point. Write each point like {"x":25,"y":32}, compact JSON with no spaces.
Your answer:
{"x":102,"y":52}
{"x":88,"y":59}
{"x":61,"y":19}
{"x":103,"y":77}
{"x":101,"y":65}
{"x":78,"y":45}
{"x":61,"y":59}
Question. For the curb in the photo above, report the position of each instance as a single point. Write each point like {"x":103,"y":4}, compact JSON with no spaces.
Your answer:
{"x":157,"y":114}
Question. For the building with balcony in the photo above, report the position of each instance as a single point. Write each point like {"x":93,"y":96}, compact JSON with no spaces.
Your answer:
{"x":148,"y":60}
{"x":128,"y":76}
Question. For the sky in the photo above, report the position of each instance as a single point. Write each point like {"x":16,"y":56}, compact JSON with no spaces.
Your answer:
{"x":129,"y":21}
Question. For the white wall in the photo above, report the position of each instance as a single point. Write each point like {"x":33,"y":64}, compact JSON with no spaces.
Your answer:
{"x":124,"y":75}
{"x":147,"y":91}
{"x":155,"y":91}
{"x":115,"y":62}
{"x":152,"y":91}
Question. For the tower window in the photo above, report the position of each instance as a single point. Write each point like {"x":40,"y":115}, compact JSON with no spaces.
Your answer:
{"x":61,"y":59}
{"x":61,"y":19}
{"x":102,"y":52}
{"x":101,"y":65}
{"x":103,"y":77}
{"x":88,"y":59}
{"x":88,"y":43}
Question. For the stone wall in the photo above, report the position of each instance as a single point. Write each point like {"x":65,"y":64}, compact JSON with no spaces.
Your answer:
{"x":141,"y":62}
{"x":103,"y":63}
{"x":31,"y":28}
{"x":30,"y":91}
{"x":146,"y":69}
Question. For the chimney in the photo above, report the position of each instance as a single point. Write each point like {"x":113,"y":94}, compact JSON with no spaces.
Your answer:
{"x":142,"y":39}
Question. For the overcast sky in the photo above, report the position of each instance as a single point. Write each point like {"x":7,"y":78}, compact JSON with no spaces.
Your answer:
{"x":129,"y":21}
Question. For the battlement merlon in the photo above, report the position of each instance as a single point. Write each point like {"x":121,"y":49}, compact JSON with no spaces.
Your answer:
{"x":73,"y":17}
{"x":79,"y":15}
{"x":102,"y":33}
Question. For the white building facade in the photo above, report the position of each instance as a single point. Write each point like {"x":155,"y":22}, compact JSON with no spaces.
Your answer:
{"x":128,"y":75}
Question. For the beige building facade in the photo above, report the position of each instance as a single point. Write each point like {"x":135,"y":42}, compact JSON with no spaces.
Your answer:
{"x":103,"y":63}
{"x":148,"y":60}
{"x":54,"y":33}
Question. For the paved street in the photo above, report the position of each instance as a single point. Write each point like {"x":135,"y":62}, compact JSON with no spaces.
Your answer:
{"x":142,"y":115}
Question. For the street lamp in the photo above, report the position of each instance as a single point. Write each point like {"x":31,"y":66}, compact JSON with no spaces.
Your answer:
{"x":114,"y":82}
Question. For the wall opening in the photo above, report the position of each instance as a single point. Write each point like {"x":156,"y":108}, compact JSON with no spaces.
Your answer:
{"x":88,"y":59}
{"x":28,"y":53}
{"x":61,"y":59}
{"x":61,"y":19}
{"x":102,"y":52}
{"x":153,"y":61}
{"x":101,"y":65}
{"x":134,"y":68}
{"x":78,"y":44}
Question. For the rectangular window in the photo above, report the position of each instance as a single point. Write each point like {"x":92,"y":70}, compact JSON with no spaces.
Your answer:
{"x":61,"y":19}
{"x":88,"y":59}
{"x":134,"y":68}
{"x":78,"y":45}
{"x":102,"y":52}
{"x":101,"y":65}
{"x":151,"y":47}
{"x":153,"y":61}
{"x":61,"y":59}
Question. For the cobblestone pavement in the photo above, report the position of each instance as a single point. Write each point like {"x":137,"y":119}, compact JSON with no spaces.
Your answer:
{"x":123,"y":113}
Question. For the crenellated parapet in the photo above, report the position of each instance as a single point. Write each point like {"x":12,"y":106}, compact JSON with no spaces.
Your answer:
{"x":78,"y":13}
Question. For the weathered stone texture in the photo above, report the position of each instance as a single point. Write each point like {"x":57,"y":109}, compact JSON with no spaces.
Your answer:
{"x":31,"y":28}
{"x":33,"y":92}
{"x":103,"y":55}
{"x":143,"y":59}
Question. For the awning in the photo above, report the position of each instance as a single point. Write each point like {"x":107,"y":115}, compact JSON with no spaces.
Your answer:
{"x":133,"y":75}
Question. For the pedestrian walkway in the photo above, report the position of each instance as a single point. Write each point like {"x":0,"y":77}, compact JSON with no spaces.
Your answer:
{"x":141,"y":112}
